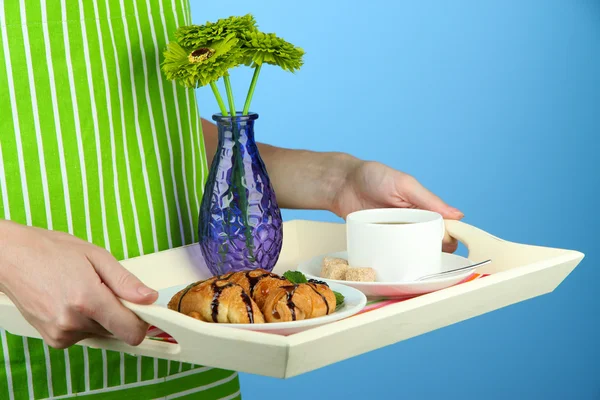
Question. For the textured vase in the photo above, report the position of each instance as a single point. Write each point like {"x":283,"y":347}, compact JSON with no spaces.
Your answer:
{"x":240,"y":226}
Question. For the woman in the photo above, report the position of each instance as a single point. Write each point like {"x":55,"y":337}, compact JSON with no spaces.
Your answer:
{"x":102,"y":159}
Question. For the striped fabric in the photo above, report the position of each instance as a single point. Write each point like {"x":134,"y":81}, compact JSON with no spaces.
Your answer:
{"x":94,"y":142}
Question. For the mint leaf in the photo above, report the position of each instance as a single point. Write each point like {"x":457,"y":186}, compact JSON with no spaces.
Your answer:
{"x":339,"y":299}
{"x":295,"y":277}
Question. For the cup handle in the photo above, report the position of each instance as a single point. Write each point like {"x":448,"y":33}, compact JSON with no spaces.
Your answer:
{"x":443,"y":228}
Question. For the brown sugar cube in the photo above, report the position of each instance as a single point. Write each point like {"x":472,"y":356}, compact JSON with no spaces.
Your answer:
{"x":334,"y":271}
{"x":360,"y":274}
{"x":327,"y":261}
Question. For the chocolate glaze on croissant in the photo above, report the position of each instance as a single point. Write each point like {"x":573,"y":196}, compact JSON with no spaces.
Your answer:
{"x":299,"y":302}
{"x":326,"y":294}
{"x":258,"y":283}
{"x":217,"y":300}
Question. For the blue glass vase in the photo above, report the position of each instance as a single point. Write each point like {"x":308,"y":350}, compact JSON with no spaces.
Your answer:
{"x":240,"y":226}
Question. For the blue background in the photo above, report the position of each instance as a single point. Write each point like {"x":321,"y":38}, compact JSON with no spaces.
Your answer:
{"x":495,"y":108}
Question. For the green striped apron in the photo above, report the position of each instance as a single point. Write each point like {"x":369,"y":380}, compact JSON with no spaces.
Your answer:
{"x":95,"y":142}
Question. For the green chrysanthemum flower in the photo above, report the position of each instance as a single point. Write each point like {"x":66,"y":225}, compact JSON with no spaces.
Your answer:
{"x":194,"y":36}
{"x":259,"y":48}
{"x":199,"y":66}
{"x":201,"y":54}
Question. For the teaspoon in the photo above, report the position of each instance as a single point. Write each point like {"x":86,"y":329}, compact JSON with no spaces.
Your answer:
{"x":453,"y":270}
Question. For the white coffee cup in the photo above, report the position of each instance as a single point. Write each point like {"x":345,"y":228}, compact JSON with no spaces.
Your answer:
{"x":401,"y":245}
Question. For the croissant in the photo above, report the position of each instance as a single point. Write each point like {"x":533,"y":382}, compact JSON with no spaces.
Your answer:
{"x":258,"y":283}
{"x":217,"y":300}
{"x":298,"y":302}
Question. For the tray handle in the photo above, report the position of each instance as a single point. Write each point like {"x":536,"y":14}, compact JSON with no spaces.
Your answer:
{"x":153,"y":315}
{"x":504,"y":254}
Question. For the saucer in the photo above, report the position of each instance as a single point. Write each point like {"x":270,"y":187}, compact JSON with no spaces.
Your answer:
{"x":312,"y":270}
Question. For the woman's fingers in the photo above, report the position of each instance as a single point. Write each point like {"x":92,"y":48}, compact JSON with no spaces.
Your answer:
{"x":120,"y":281}
{"x":449,"y":244}
{"x":113,"y":316}
{"x":422,"y":198}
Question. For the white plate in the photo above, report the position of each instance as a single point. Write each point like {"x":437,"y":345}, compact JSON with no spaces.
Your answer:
{"x":312,"y":269}
{"x":354,"y":302}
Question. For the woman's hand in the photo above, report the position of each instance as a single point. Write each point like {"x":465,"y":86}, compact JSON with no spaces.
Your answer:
{"x":374,"y":185}
{"x":67,"y":288}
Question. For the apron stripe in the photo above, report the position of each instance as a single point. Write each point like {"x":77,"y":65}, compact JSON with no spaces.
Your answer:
{"x":58,"y":378}
{"x":152,"y":121}
{"x":178,"y":97}
{"x":48,"y":371}
{"x":140,"y":148}
{"x":86,"y":368}
{"x":104,"y":369}
{"x":201,"y":151}
{"x":77,"y":120}
{"x":147,"y":369}
{"x":7,"y":366}
{"x":194,"y":179}
{"x":185,"y":7}
{"x":36,"y":116}
{"x":16,"y":355}
{"x":28,"y":368}
{"x":139,"y":369}
{"x":166,"y":120}
{"x":57,"y":122}
{"x":96,"y":374}
{"x":5,"y":211}
{"x":162,"y":368}
{"x":232,"y":396}
{"x":87,"y":118}
{"x":64,"y":127}
{"x":15,"y":113}
{"x":134,"y":217}
{"x":94,"y":113}
{"x":68,"y":372}
{"x":34,"y":350}
{"x":131,"y":369}
{"x":111,"y":130}
{"x":76,"y":367}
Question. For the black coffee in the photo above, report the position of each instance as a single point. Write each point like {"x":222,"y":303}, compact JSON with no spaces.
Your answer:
{"x":393,"y":223}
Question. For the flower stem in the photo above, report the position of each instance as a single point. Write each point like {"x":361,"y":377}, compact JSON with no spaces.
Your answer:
{"x":237,"y":173}
{"x":215,"y":90}
{"x":251,"y":90}
{"x":229,"y":95}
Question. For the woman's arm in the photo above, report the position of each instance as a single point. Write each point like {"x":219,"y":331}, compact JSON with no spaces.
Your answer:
{"x":302,"y":179}
{"x":340,"y":183}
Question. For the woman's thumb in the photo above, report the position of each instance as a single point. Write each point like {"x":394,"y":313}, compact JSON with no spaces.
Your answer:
{"x":122,"y":282}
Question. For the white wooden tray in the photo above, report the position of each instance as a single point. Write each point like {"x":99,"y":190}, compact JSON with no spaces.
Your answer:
{"x":519,"y":272}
